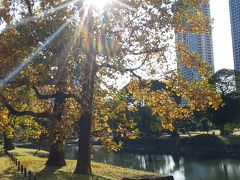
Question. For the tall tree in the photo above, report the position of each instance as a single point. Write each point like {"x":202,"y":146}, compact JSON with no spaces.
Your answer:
{"x":135,"y":41}
{"x":227,"y":82}
{"x":55,"y":77}
{"x":23,"y":40}
{"x":126,"y":39}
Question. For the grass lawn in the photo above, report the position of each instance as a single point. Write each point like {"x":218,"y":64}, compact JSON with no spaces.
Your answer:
{"x":8,"y":170}
{"x":37,"y":164}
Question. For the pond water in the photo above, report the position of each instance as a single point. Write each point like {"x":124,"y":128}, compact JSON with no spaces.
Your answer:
{"x":181,"y":168}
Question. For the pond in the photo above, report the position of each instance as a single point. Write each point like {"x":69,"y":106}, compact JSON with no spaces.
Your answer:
{"x":181,"y":168}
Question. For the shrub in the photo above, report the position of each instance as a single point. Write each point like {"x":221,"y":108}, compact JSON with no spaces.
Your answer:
{"x":208,"y":139}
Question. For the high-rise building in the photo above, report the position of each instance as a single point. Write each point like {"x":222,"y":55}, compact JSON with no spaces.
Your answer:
{"x":202,"y":44}
{"x":235,"y":24}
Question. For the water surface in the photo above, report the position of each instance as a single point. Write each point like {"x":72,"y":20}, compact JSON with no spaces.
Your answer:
{"x":181,"y":168}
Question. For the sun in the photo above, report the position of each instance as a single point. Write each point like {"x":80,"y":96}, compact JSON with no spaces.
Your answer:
{"x":99,"y":4}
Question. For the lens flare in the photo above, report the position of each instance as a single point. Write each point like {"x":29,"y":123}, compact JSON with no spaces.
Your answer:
{"x":99,"y":4}
{"x":31,"y":57}
{"x":37,"y":16}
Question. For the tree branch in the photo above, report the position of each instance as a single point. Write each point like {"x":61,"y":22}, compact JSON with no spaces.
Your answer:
{"x":43,"y":96}
{"x":154,"y":50}
{"x":51,"y":96}
{"x":106,"y":65}
{"x":29,"y":6}
{"x":73,"y":96}
{"x":15,"y":112}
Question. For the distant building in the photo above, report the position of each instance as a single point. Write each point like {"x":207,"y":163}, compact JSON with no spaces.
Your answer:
{"x":202,"y":44}
{"x":235,"y":24}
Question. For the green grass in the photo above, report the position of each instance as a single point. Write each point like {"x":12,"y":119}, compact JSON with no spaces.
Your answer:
{"x":37,"y":165}
{"x":7,"y":168}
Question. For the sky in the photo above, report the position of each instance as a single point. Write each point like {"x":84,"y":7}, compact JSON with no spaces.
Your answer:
{"x":222,"y":42}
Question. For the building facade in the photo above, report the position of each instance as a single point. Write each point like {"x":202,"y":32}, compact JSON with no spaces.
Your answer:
{"x":202,"y":44}
{"x":234,"y":6}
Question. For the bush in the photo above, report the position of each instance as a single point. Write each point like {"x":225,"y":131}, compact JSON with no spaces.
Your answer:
{"x":208,"y":139}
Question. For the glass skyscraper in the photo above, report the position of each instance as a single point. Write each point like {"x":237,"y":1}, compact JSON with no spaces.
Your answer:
{"x":235,"y":24}
{"x":202,"y":44}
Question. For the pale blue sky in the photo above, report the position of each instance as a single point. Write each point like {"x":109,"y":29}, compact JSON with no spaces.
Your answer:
{"x":222,"y":42}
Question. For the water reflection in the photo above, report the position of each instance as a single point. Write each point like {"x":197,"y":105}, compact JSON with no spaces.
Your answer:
{"x":181,"y":168}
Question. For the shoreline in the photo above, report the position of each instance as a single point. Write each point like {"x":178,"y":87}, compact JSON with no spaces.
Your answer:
{"x":103,"y":171}
{"x":186,"y":147}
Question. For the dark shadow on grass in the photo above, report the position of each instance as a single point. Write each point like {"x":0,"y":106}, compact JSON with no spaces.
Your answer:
{"x":11,"y":173}
{"x":49,"y":170}
{"x":53,"y":173}
{"x":2,"y":154}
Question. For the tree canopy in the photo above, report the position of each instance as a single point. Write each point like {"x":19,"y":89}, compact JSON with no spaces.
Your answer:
{"x":71,"y":55}
{"x":227,"y":82}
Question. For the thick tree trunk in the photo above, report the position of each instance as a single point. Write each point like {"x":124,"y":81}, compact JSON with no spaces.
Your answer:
{"x":84,"y":150}
{"x":56,"y":157}
{"x":56,"y":134}
{"x":84,"y":125}
{"x":8,"y":145}
{"x":85,"y":121}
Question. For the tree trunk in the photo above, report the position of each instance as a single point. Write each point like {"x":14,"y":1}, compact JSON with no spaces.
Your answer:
{"x":29,"y":6}
{"x":85,"y":121}
{"x":56,"y":134}
{"x":84,"y":150}
{"x":175,"y":134}
{"x":56,"y":157}
{"x":84,"y":130}
{"x":8,"y":145}
{"x":84,"y":127}
{"x":222,"y":130}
